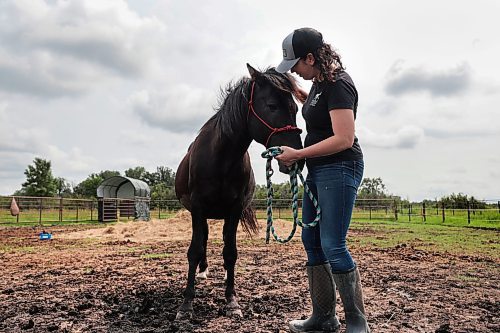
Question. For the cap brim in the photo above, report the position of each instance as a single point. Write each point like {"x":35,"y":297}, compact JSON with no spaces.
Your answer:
{"x":286,"y":65}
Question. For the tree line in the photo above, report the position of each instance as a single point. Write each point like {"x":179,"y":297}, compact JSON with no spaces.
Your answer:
{"x":40,"y":182}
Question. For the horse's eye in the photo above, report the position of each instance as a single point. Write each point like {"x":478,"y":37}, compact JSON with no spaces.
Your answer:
{"x":272,"y":107}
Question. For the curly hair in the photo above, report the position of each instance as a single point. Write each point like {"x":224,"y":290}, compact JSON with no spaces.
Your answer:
{"x":328,"y":62}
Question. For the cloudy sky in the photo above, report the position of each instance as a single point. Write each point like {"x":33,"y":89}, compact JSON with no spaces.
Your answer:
{"x":109,"y":85}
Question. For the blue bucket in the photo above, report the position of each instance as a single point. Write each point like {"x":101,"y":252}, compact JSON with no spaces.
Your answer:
{"x":45,"y":236}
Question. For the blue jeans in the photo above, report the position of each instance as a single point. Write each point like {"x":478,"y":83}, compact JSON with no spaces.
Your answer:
{"x":335,"y":186}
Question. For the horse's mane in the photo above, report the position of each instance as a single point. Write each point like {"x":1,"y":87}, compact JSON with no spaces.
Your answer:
{"x":232,"y":108}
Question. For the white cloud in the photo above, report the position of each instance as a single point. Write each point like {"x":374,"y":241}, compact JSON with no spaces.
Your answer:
{"x":178,"y":109}
{"x":405,"y":137}
{"x":70,"y":47}
{"x":448,"y":82}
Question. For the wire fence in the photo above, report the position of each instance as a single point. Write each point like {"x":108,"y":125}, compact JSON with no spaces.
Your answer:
{"x":49,"y":211}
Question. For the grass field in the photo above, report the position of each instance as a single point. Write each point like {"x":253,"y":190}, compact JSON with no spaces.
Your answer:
{"x":459,"y":218}
{"x":460,"y":240}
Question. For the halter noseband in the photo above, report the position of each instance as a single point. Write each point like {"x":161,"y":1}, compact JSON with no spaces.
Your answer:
{"x":274,"y":130}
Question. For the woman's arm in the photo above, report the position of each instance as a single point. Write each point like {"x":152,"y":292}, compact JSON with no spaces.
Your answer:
{"x":343,"y":127}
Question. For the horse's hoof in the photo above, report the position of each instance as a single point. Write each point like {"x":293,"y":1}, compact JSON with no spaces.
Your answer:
{"x":184,"y":315}
{"x":234,"y":313}
{"x":233,"y":309}
{"x":202,"y":275}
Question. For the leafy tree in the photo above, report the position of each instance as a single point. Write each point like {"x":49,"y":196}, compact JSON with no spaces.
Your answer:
{"x":280,"y":191}
{"x":108,"y":174}
{"x":163,"y":175}
{"x":166,"y":175}
{"x":137,"y":172}
{"x":63,"y":187}
{"x":460,"y":201}
{"x":372,"y":188}
{"x":39,"y":179}
{"x":88,"y":187}
{"x":162,"y":191}
{"x":162,"y":183}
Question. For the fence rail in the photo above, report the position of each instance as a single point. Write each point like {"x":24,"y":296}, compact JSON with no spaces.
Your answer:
{"x":45,"y":210}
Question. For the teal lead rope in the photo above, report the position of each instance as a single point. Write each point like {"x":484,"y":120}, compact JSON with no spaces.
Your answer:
{"x":269,"y":154}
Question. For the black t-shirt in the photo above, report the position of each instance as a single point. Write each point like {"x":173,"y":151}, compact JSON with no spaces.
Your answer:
{"x":324,"y":97}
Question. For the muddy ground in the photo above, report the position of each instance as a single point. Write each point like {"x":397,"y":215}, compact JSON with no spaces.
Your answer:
{"x":129,"y":277}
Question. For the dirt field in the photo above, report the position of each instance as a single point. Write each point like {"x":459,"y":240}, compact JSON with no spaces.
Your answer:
{"x":129,"y":277}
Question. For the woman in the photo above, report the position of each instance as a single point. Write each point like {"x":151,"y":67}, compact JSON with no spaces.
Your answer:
{"x":335,"y":169}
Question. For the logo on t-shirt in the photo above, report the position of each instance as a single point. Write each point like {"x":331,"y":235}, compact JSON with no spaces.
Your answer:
{"x":315,"y":99}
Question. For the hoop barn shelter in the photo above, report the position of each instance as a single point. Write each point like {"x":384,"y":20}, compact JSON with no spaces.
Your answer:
{"x":120,"y":196}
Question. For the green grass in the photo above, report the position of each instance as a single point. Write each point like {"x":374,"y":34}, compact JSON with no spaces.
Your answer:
{"x":433,"y":237}
{"x":50,"y":217}
{"x":457,"y":218}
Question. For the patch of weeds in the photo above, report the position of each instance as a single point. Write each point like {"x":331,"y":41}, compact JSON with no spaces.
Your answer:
{"x":217,"y":241}
{"x":25,"y":249}
{"x":88,"y":270}
{"x":466,"y":278}
{"x":134,"y":249}
{"x":249,"y":241}
{"x":155,"y":256}
{"x":6,"y":249}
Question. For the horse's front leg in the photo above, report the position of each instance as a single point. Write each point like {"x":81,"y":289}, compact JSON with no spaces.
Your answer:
{"x":195,"y":255}
{"x":230,"y":254}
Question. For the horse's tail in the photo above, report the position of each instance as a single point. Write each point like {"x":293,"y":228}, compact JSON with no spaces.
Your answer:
{"x":249,"y":221}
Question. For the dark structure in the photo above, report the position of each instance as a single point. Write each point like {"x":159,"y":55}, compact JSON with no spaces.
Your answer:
{"x":123,"y":197}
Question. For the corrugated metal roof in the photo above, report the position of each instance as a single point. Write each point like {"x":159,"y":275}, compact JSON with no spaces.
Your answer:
{"x":123,"y":187}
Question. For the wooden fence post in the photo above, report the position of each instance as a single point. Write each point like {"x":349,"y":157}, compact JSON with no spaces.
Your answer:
{"x":40,"y":216}
{"x":19,"y":205}
{"x":409,"y":212}
{"x":423,"y":211}
{"x":498,"y":203}
{"x":442,"y":210}
{"x":468,"y":212}
{"x":396,"y":209}
{"x":60,"y":209}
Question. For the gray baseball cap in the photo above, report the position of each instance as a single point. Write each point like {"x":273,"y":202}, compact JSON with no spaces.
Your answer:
{"x":298,"y":44}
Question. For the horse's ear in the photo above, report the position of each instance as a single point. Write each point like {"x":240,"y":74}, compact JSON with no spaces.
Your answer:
{"x":253,"y":72}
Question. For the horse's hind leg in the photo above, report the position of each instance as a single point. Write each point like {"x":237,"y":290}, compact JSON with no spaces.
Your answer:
{"x":195,"y":254}
{"x":230,"y":254}
{"x":203,"y":272}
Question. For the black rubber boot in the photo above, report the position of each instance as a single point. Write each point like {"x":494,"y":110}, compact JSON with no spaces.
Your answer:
{"x":322,"y":289}
{"x":351,"y":294}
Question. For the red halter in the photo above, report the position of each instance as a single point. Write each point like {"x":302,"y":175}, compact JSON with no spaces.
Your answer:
{"x":274,"y":130}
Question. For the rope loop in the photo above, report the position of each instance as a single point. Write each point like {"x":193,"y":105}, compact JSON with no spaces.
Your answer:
{"x":269,"y":154}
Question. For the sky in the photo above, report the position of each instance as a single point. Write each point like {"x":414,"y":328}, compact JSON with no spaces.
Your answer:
{"x":111,"y":85}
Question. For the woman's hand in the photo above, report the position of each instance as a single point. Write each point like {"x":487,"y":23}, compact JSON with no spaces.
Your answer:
{"x":289,"y":156}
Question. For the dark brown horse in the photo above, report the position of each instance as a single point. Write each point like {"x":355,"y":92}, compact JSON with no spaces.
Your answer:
{"x":215,"y":179}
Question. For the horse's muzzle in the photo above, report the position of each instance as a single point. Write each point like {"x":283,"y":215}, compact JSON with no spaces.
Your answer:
{"x":286,"y":170}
